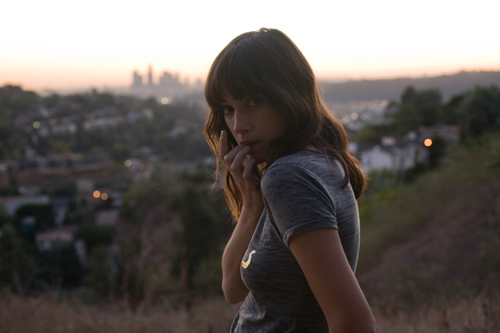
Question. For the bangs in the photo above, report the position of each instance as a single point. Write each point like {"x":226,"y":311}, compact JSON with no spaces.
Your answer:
{"x":236,"y":73}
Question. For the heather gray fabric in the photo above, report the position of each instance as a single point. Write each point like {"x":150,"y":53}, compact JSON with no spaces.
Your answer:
{"x":301,"y":192}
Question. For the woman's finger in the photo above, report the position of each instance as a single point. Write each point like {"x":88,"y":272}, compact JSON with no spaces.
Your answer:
{"x":249,"y":170}
{"x":223,"y":144}
{"x":238,"y":159}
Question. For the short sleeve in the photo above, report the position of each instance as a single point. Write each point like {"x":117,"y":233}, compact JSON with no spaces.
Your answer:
{"x":296,"y":200}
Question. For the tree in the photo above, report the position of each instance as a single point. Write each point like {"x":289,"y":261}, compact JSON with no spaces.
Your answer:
{"x":17,"y":99}
{"x":145,"y":240}
{"x":43,"y":215}
{"x":4,"y":217}
{"x":60,"y":267}
{"x":417,"y":108}
{"x":17,"y":266}
{"x":436,"y":151}
{"x":199,"y":236}
{"x":95,"y":235}
{"x":449,"y":112}
{"x":100,"y":277}
{"x":480,"y":111}
{"x":429,"y":104}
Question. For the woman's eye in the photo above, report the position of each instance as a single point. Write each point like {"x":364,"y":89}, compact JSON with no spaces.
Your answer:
{"x":255,"y":101}
{"x":227,"y":109}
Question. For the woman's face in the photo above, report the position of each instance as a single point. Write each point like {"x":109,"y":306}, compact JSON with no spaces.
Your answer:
{"x":253,"y":123}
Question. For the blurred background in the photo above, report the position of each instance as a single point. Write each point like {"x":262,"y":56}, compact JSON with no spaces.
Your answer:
{"x":109,"y":216}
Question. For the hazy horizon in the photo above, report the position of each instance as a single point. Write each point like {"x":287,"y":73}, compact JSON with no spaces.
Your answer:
{"x":128,"y":84}
{"x":55,"y":45}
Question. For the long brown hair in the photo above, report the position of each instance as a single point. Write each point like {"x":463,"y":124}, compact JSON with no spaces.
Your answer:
{"x":267,"y":62}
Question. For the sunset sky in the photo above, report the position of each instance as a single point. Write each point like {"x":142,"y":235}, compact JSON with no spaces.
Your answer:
{"x":57,"y":44}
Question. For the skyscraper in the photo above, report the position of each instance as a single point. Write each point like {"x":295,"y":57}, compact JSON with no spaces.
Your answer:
{"x":150,"y":76}
{"x":136,"y":79}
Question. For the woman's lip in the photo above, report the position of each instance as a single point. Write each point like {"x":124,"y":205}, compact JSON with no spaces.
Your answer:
{"x":248,"y":143}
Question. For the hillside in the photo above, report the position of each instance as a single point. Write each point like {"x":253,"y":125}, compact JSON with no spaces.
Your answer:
{"x":435,"y":242}
{"x":430,"y":262}
{"x":391,"y":89}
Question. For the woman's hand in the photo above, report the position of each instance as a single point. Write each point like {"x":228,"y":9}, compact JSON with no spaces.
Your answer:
{"x":242,"y":167}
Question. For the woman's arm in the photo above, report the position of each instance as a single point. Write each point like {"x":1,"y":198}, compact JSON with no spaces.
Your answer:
{"x":320,"y":254}
{"x":244,"y":176}
{"x":233,"y":287}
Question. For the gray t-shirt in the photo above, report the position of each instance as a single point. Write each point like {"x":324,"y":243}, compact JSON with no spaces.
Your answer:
{"x":301,"y":192}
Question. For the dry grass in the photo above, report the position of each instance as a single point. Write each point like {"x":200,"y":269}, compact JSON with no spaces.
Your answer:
{"x":475,"y":314}
{"x":47,"y":314}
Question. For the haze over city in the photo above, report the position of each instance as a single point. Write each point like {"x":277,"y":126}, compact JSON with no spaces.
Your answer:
{"x":61,"y":45}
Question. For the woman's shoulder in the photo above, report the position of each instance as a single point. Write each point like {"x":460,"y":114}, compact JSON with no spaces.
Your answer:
{"x":303,"y":156}
{"x":310,"y":163}
{"x":307,"y":159}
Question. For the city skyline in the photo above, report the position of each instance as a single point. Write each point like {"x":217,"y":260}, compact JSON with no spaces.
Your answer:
{"x":55,"y":45}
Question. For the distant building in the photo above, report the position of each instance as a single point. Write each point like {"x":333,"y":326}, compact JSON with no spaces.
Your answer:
{"x":11,"y":204}
{"x":107,"y":216}
{"x":165,"y":87}
{"x":136,"y":80}
{"x":150,"y":77}
{"x":55,"y":238}
{"x":61,"y":237}
{"x":449,"y":133}
{"x":391,"y":154}
{"x":168,"y":80}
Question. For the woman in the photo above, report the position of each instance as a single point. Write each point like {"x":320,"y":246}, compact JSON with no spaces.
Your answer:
{"x":291,"y":185}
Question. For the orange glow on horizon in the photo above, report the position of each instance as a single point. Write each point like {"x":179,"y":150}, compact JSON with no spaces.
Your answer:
{"x":97,"y":79}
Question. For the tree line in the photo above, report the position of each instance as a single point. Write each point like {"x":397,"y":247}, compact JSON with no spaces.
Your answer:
{"x":19,"y":109}
{"x":475,"y":112}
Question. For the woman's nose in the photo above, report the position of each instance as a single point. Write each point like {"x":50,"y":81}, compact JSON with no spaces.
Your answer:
{"x":241,"y":122}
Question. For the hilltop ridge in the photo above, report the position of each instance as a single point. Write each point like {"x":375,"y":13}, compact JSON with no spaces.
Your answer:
{"x":391,"y":89}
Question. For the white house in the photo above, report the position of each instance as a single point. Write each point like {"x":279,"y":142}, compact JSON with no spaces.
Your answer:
{"x":11,"y":204}
{"x":391,"y":154}
{"x":50,"y":239}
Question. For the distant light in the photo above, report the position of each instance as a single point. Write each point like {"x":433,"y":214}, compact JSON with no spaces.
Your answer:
{"x":97,"y":194}
{"x":165,"y":100}
{"x":128,"y":163}
{"x":36,"y":125}
{"x":354,"y":116}
{"x":428,"y":142}
{"x":104,"y":196}
{"x":346,"y":120}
